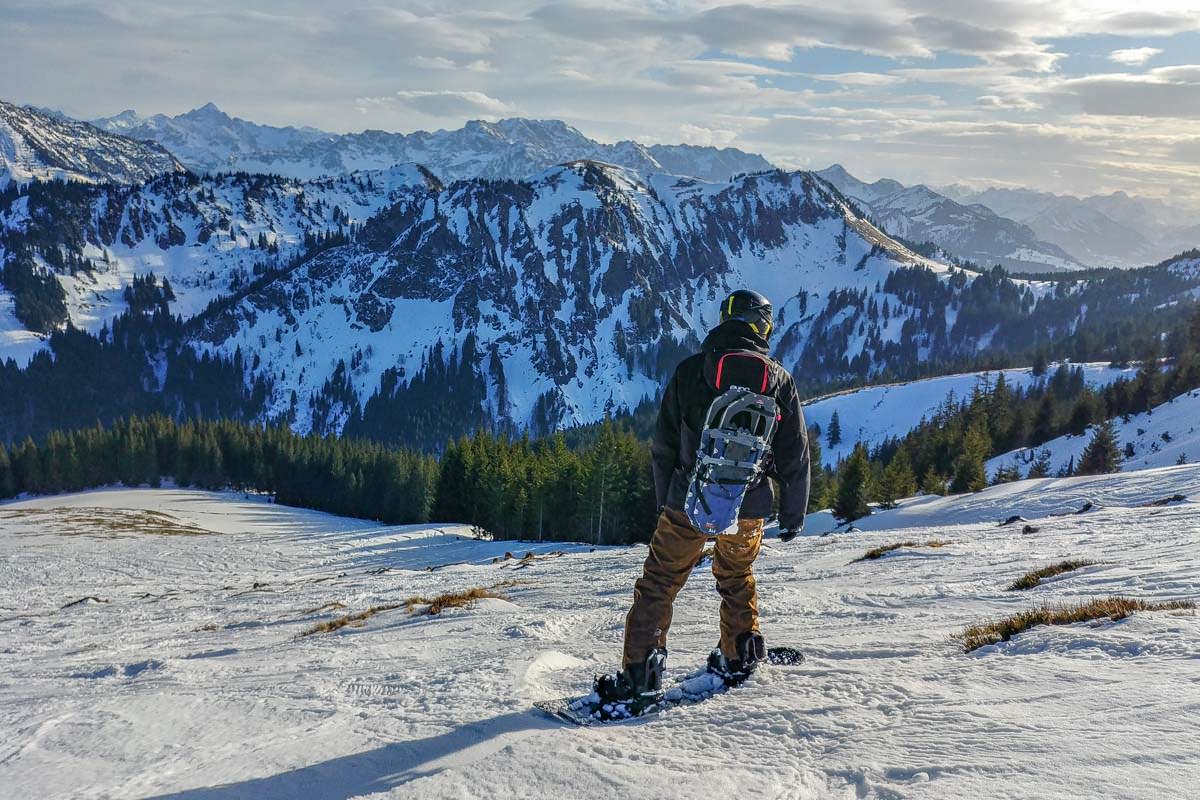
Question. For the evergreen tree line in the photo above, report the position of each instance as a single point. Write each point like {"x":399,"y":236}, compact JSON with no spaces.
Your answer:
{"x":947,"y":453}
{"x":512,"y":488}
{"x":142,"y":365}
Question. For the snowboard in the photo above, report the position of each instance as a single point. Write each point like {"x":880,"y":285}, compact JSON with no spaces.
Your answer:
{"x":689,"y":690}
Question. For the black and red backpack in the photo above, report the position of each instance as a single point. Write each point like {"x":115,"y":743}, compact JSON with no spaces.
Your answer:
{"x":735,"y":443}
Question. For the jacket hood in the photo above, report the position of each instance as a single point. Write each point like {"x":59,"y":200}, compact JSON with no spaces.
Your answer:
{"x":734,"y":335}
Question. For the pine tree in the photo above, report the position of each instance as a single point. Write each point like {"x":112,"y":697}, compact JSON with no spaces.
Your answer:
{"x":834,"y":434}
{"x":27,"y":468}
{"x":819,"y":477}
{"x":970,"y":472}
{"x":1040,"y":468}
{"x":1102,"y":454}
{"x":1086,"y":411}
{"x":897,"y":481}
{"x":1007,"y":474}
{"x":1043,"y":420}
{"x":933,"y":483}
{"x":7,"y":489}
{"x":1040,"y":363}
{"x":854,"y":486}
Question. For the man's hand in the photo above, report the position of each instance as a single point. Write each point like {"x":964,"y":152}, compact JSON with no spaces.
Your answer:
{"x":787,"y":534}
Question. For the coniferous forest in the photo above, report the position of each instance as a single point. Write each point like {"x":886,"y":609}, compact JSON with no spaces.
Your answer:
{"x":946,"y":454}
{"x":511,"y":488}
{"x":136,"y":405}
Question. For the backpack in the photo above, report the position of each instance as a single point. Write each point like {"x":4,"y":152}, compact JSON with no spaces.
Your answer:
{"x":734,"y":443}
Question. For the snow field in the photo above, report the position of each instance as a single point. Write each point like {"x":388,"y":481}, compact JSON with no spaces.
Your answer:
{"x":192,"y":681}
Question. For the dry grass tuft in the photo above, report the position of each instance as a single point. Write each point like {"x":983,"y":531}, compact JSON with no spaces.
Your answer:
{"x":1113,"y":608}
{"x":350,"y":619}
{"x":417,"y":606}
{"x":880,"y":552}
{"x":433,"y":606}
{"x":1032,"y":579}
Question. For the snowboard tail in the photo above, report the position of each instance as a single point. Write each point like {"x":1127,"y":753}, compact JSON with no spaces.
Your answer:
{"x":689,"y":690}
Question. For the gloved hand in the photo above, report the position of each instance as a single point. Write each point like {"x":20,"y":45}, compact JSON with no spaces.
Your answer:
{"x":787,"y":534}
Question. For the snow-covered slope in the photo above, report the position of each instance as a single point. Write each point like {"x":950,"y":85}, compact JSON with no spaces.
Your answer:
{"x":34,"y":144}
{"x":972,"y":232}
{"x":209,"y":140}
{"x":542,"y":302}
{"x":874,"y":414}
{"x":1167,"y":434}
{"x":571,"y":287}
{"x":206,"y":236}
{"x":187,"y":677}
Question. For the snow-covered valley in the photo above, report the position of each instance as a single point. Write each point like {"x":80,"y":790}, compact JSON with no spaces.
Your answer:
{"x":187,"y":675}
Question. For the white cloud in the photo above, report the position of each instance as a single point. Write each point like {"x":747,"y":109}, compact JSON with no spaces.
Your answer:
{"x":443,"y":63}
{"x":1167,"y":92}
{"x":439,"y":104}
{"x":706,"y":137}
{"x":1134,"y":56}
{"x":711,"y":71}
{"x":856,"y":78}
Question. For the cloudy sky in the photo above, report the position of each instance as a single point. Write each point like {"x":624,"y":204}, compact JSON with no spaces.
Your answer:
{"x":1063,"y":95}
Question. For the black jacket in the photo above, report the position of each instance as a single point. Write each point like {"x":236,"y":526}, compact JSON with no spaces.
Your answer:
{"x":681,"y":418}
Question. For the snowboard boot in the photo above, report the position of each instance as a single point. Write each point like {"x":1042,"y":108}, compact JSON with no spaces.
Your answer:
{"x":751,"y":650}
{"x":632,"y":690}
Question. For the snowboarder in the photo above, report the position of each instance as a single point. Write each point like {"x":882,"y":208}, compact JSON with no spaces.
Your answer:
{"x":737,"y":347}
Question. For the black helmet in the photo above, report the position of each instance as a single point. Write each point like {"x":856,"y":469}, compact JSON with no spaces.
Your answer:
{"x":751,"y":308}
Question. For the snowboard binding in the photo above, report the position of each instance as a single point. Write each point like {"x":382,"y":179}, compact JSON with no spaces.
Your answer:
{"x":752,"y":650}
{"x":632,"y":691}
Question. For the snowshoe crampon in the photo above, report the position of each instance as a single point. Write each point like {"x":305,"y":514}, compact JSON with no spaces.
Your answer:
{"x":695,"y":688}
{"x":734,"y":447}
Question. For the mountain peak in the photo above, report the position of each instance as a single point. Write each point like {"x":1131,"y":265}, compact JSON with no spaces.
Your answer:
{"x":207,"y":111}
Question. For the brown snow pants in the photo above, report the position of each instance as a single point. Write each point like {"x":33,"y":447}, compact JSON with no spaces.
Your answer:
{"x":674,"y":551}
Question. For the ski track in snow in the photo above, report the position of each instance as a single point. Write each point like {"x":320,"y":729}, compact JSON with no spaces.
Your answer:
{"x":186,"y":677}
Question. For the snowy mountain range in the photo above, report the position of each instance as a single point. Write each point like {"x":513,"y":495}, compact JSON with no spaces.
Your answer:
{"x":571,"y":289}
{"x":207,"y":139}
{"x":547,"y":301}
{"x":36,"y":144}
{"x":1113,"y":230}
{"x":207,"y":237}
{"x":972,"y":232}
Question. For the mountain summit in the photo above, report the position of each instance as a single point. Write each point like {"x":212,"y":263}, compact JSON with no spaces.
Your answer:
{"x":971,"y":232}
{"x":35,"y":144}
{"x":207,"y":139}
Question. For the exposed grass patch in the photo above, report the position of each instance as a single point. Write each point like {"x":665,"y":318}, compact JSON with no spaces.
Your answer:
{"x":1032,"y":579}
{"x":1113,"y":608}
{"x":880,"y":552}
{"x":433,"y":606}
{"x":350,"y":619}
{"x":106,"y":522}
{"x":415,"y":605}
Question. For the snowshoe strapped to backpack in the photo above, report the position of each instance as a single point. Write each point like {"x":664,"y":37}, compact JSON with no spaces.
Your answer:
{"x":734,"y":444}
